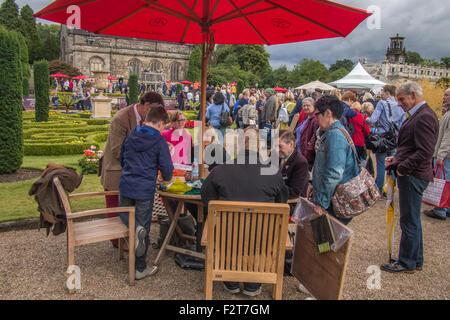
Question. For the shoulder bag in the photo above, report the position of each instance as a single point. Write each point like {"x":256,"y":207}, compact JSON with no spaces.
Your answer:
{"x":357,"y":195}
{"x":383,"y":142}
{"x":224,"y":121}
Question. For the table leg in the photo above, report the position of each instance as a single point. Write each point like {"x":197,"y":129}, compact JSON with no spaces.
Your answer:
{"x":199,"y":227}
{"x":169,"y":233}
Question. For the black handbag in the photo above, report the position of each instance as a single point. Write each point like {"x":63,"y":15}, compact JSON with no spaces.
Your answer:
{"x":224,"y":121}
{"x":383,"y":142}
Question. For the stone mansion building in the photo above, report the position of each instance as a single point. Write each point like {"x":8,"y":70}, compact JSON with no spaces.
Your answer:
{"x":394,"y":66}
{"x":153,"y":61}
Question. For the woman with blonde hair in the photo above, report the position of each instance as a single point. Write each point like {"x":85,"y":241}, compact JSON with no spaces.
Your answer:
{"x":180,"y":139}
{"x":367,"y":109}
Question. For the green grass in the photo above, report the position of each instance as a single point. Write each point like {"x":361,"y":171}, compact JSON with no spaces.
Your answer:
{"x":16,"y":204}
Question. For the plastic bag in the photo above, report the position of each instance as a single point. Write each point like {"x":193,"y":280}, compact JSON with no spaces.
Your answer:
{"x":304,"y":213}
{"x":178,"y":187}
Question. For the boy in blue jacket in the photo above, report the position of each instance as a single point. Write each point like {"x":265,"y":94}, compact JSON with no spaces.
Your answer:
{"x":143,"y":153}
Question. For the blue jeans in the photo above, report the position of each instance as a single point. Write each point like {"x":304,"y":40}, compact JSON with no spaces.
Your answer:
{"x":144,"y":209}
{"x":443,"y":212}
{"x":220,"y":131}
{"x":411,"y":243}
{"x":380,"y":157}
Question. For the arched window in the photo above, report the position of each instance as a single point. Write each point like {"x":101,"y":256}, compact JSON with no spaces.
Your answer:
{"x":156,"y":66}
{"x":96,"y":64}
{"x":135,"y":66}
{"x":175,"y":70}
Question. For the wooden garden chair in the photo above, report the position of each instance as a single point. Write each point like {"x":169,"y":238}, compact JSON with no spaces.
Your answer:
{"x":246,"y":242}
{"x":104,"y":229}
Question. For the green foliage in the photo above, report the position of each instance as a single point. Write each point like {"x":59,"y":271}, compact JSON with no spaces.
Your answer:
{"x":54,"y":149}
{"x":430,"y":63}
{"x":443,"y":82}
{"x":308,"y":70}
{"x":280,"y":77}
{"x":25,"y":66}
{"x":194,"y":73}
{"x":49,"y":34}
{"x":446,"y":62}
{"x":240,"y":86}
{"x":338,"y":74}
{"x":11,"y":136}
{"x":9,"y":15}
{"x":65,"y":101}
{"x":56,"y":66}
{"x":41,"y":90}
{"x":29,"y":31}
{"x":345,"y":64}
{"x":133,"y":84}
{"x":413,"y":57}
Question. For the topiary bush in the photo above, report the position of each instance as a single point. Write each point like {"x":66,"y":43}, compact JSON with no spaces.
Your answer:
{"x":11,"y":136}
{"x":41,"y":90}
{"x":133,"y":84}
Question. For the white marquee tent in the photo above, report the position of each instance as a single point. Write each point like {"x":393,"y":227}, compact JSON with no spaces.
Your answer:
{"x":316,"y":85}
{"x":358,"y":78}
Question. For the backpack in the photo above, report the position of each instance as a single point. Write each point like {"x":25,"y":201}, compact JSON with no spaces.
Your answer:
{"x":283,"y":116}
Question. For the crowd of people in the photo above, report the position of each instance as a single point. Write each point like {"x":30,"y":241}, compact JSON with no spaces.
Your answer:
{"x":314,"y":154}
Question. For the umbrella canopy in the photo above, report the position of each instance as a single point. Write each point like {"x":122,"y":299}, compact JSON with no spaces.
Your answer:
{"x":58,"y":75}
{"x":278,"y":89}
{"x":186,"y":82}
{"x":316,"y":85}
{"x":358,"y":78}
{"x":249,"y":21}
{"x":111,"y":78}
{"x":79,"y":77}
{"x":211,"y":22}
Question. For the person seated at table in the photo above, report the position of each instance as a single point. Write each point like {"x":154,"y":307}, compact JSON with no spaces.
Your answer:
{"x":143,"y":153}
{"x":293,"y":167}
{"x":244,"y":182}
{"x":179,"y":137}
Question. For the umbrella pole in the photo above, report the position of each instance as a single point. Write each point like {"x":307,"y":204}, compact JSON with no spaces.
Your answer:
{"x":202,"y":172}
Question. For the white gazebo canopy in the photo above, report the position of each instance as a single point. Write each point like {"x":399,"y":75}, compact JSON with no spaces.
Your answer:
{"x":316,"y":85}
{"x":358,"y":78}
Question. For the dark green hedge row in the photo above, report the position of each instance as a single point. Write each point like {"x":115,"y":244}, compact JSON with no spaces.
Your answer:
{"x":11,"y":138}
{"x":41,"y":90}
{"x":97,"y":122}
{"x":55,"y":149}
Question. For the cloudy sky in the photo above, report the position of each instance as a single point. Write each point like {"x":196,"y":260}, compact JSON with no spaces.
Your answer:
{"x":425,"y":24}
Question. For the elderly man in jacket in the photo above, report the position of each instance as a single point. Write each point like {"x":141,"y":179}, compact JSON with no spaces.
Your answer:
{"x":413,"y":166}
{"x":121,"y":125}
{"x":442,"y":153}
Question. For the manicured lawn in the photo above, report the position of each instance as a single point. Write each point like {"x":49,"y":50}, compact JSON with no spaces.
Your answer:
{"x":16,"y":204}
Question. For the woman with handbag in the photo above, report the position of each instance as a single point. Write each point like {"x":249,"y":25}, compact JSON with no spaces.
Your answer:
{"x":215,"y":115}
{"x":335,"y":161}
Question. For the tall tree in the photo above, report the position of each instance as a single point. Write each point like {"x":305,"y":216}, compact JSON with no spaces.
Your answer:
{"x":413,"y":57}
{"x":9,"y":15}
{"x":308,"y":70}
{"x":25,"y":66}
{"x":29,"y":31}
{"x":49,"y":34}
{"x":281,"y":77}
{"x":11,"y":136}
{"x":346,"y":64}
{"x":446,"y":61}
{"x":41,"y":90}
{"x":56,"y":66}
{"x":338,"y":74}
{"x":194,"y":73}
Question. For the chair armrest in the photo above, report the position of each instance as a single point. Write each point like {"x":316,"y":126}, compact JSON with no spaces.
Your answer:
{"x":74,"y":215}
{"x":93,"y":194}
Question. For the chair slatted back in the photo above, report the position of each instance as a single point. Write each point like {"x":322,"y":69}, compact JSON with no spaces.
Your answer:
{"x":62,"y":195}
{"x":247,"y":236}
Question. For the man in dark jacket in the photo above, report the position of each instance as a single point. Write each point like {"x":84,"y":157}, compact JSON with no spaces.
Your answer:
{"x":412,"y":164}
{"x":143,"y":153}
{"x":294,"y":167}
{"x":244,"y":182}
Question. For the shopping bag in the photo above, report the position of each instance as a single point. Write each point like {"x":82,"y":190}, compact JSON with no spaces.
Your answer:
{"x":438,"y":192}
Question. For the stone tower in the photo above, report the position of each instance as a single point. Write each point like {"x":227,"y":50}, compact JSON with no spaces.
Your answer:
{"x":396,"y":52}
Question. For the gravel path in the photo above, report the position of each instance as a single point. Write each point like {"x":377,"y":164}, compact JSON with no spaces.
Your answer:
{"x":32,"y":266}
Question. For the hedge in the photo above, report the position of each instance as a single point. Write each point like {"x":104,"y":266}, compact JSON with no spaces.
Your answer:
{"x":133,"y":84}
{"x":11,"y":136}
{"x":56,"y":149}
{"x":41,"y":90}
{"x":97,"y":122}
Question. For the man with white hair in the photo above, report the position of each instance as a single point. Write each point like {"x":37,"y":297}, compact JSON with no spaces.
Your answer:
{"x":442,"y":153}
{"x":413,"y":166}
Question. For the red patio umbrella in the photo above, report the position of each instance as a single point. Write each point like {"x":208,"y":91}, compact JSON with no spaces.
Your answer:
{"x":111,"y":78}
{"x":211,"y":22}
{"x":278,"y":89}
{"x":58,"y":75}
{"x":185,"y":82}
{"x":79,"y":77}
